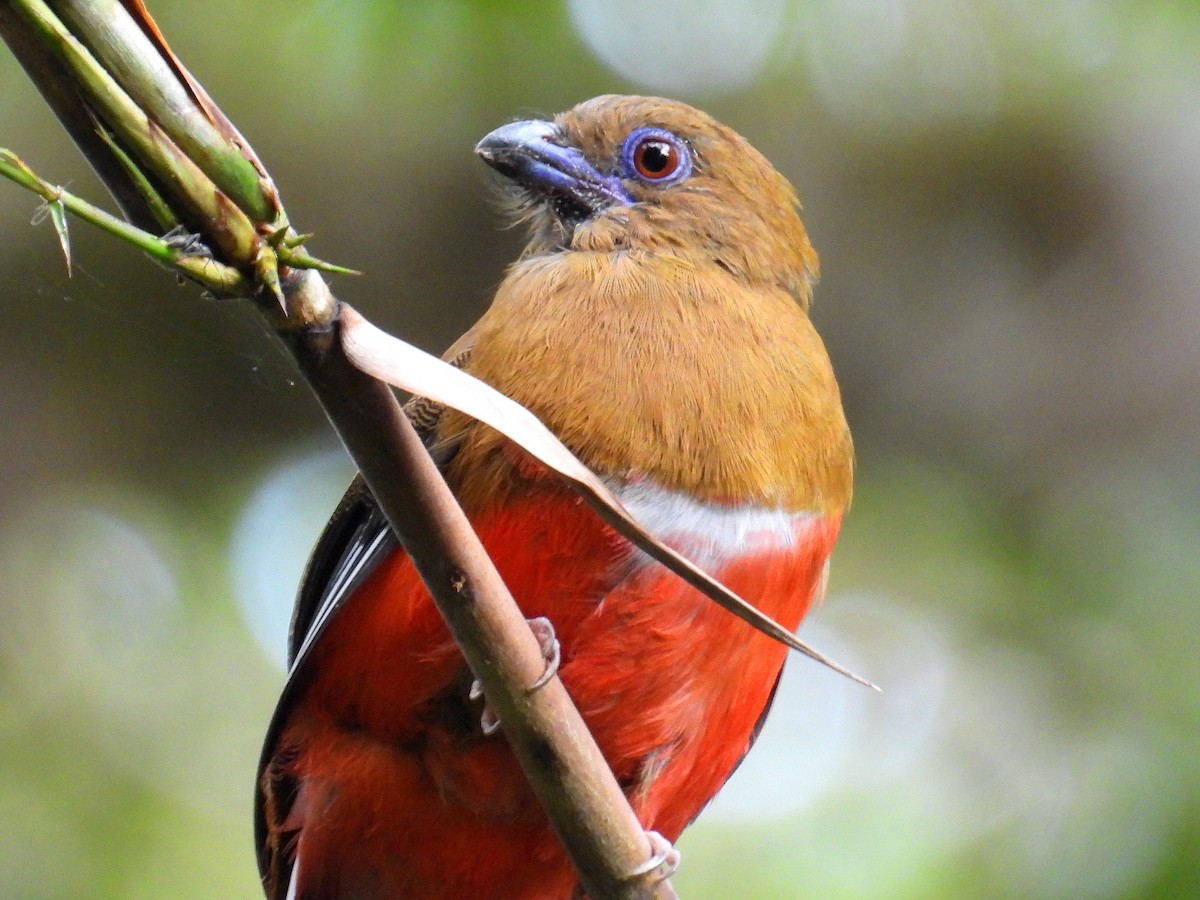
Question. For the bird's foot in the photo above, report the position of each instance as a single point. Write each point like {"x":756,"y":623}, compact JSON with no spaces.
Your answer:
{"x":551,"y":648}
{"x":665,"y":858}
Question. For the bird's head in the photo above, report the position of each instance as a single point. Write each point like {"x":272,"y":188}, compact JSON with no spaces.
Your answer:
{"x":644,"y":174}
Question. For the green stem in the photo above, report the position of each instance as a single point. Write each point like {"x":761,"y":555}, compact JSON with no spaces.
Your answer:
{"x":227,"y":226}
{"x":217,"y":277}
{"x":125,"y":50}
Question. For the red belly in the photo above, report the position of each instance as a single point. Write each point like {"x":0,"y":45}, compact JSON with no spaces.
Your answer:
{"x":395,"y":800}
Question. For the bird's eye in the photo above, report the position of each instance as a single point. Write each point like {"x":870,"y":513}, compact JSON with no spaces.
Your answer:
{"x":657,"y":156}
{"x":655,"y":159}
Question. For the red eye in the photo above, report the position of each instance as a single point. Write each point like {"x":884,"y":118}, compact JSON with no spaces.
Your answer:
{"x":655,"y":158}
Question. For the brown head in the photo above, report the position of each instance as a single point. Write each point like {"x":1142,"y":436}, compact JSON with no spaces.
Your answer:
{"x":657,"y":321}
{"x":644,"y":173}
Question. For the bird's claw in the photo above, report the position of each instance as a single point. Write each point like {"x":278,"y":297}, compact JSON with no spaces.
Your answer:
{"x":665,"y":858}
{"x":551,"y":648}
{"x":489,"y":722}
{"x":543,"y":630}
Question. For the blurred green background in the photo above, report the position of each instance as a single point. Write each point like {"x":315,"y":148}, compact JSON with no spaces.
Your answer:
{"x":1006,"y":199}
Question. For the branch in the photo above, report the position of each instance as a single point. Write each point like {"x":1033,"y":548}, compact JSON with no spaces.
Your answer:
{"x":144,"y":160}
{"x":555,"y":749}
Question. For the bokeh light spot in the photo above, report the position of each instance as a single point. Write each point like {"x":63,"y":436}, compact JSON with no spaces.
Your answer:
{"x":882,"y":63}
{"x":274,"y":535}
{"x":707,"y":45}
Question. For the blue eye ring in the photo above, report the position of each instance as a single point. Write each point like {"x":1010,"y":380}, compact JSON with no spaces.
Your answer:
{"x":656,"y":156}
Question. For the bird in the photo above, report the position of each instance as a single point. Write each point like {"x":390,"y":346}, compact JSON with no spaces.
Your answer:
{"x":657,"y":321}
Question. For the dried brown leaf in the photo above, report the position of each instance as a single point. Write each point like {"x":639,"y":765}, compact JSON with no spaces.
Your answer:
{"x":404,"y":366}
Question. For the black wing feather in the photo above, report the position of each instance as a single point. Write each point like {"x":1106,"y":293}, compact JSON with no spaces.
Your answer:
{"x":356,"y":538}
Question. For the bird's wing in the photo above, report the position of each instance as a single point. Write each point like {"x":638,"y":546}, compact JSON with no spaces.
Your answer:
{"x":355,"y":540}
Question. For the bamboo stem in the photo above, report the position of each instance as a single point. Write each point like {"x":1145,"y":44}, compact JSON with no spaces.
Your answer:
{"x":581,"y":797}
